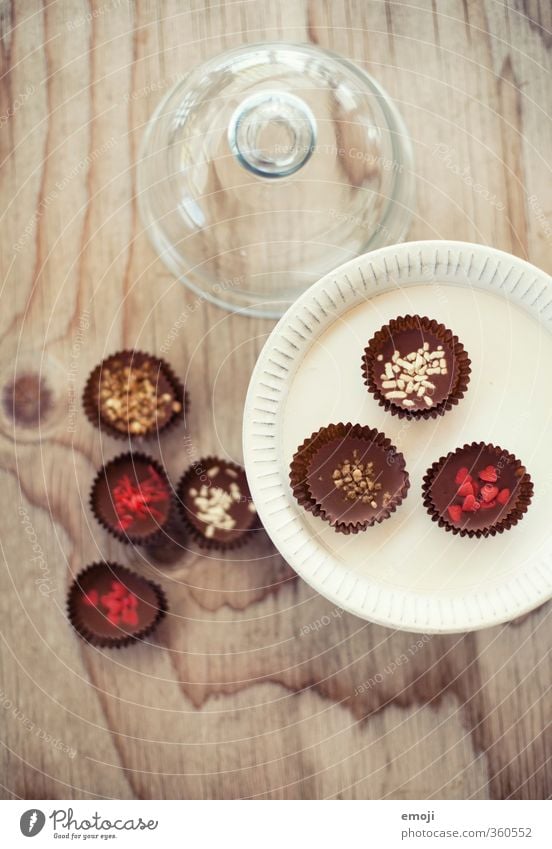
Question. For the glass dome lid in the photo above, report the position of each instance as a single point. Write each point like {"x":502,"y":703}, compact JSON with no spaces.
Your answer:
{"x":268,"y":166}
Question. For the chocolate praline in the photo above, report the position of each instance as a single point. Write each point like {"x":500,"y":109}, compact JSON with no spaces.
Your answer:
{"x":478,"y":490}
{"x":349,"y":475}
{"x":111,"y":606}
{"x":134,"y":394}
{"x":415,"y":367}
{"x":216,"y":505}
{"x":131,"y":497}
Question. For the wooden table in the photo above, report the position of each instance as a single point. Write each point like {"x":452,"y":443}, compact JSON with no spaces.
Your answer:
{"x":248,"y":689}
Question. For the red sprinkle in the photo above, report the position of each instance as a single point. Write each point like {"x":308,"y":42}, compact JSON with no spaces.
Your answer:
{"x":470,"y":505}
{"x":461,"y":475}
{"x":489,"y":492}
{"x":134,"y":501}
{"x":503,"y":496}
{"x":455,"y":512}
{"x":466,"y":488}
{"x":487,"y":505}
{"x":120,"y":604}
{"x":489,"y":474}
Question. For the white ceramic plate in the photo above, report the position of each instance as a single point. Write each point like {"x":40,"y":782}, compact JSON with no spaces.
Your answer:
{"x":408,"y":573}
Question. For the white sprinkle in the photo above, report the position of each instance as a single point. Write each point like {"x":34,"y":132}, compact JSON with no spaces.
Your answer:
{"x":428,"y":384}
{"x":411,"y":357}
{"x":401,"y":384}
{"x":443,"y":363}
{"x":426,"y":346}
{"x":435,"y":355}
{"x":389,"y":370}
{"x":404,"y":364}
{"x":379,"y":358}
{"x":421,"y":391}
{"x":395,"y":394}
{"x":389,"y":384}
{"x":396,"y":369}
{"x":418,"y":377}
{"x":408,"y":403}
{"x":444,"y":371}
{"x":439,"y":347}
{"x":251,"y":507}
{"x":231,"y":473}
{"x":210,"y":531}
{"x":213,"y":472}
{"x":409,"y":388}
{"x":193,"y":492}
{"x":428,"y":400}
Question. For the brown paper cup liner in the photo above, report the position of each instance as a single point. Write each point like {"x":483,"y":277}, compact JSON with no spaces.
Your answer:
{"x":305,"y":453}
{"x":158,"y":536}
{"x":90,"y":399}
{"x":242,"y":535}
{"x":102,"y":641}
{"x":524,"y":494}
{"x":462,"y":366}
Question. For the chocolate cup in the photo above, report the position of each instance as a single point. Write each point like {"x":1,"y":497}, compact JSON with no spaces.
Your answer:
{"x":158,"y":536}
{"x":461,"y":367}
{"x":524,"y":493}
{"x":91,"y":405}
{"x":78,"y":622}
{"x":240,"y":537}
{"x":300,"y":465}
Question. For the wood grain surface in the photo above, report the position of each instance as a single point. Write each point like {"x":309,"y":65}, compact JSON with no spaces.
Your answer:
{"x":253,"y":686}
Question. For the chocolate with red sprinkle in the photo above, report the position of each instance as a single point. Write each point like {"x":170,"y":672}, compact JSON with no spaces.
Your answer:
{"x":110,"y":606}
{"x":478,"y":490}
{"x":131,"y":497}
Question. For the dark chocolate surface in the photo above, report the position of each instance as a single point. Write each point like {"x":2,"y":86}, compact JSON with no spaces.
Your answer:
{"x":444,"y":489}
{"x":388,"y":473}
{"x":138,"y":469}
{"x":407,"y":341}
{"x":215,"y":499}
{"x":110,"y":601}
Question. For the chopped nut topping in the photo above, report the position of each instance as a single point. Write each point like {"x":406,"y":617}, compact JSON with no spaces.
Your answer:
{"x":129,"y":398}
{"x":403,"y":374}
{"x":356,"y":480}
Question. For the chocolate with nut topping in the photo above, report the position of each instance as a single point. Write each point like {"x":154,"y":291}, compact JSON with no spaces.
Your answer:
{"x":415,"y":367}
{"x":216,"y":504}
{"x":352,"y":481}
{"x":350,"y":475}
{"x":133,"y":394}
